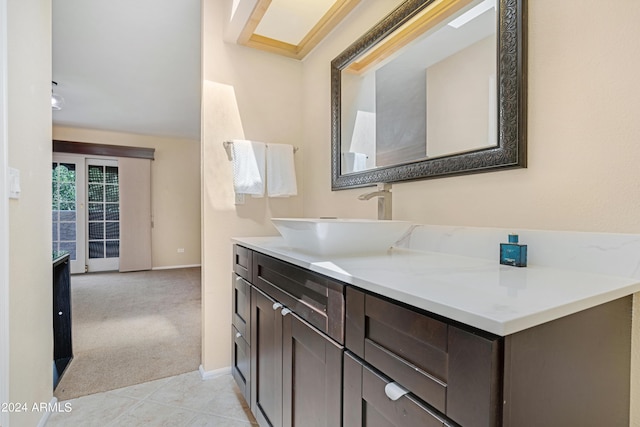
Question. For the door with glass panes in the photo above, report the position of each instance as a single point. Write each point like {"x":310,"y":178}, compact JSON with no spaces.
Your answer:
{"x":103,"y":215}
{"x":67,"y":209}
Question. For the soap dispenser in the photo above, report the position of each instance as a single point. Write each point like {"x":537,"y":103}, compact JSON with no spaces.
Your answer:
{"x":513,"y":253}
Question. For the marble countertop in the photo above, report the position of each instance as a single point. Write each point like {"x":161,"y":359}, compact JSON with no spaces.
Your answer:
{"x":484,"y":294}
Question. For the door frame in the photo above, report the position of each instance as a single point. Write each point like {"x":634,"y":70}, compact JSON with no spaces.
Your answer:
{"x":4,"y":218}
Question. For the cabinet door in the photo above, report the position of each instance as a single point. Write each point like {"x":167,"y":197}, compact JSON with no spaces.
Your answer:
{"x":266,"y":359}
{"x":241,"y":303}
{"x":312,"y":376}
{"x":241,"y":335}
{"x":241,"y":363}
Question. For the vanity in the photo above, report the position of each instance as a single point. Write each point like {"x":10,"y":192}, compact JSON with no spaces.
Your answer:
{"x":422,"y":338}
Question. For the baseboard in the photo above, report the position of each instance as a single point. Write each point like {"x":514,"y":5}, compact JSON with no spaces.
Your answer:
{"x":171,"y":267}
{"x":207,"y":375}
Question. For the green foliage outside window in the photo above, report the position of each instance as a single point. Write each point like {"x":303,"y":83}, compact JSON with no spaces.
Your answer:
{"x":63,"y":187}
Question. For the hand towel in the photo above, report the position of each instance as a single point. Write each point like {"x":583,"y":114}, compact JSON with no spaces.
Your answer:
{"x":281,"y":172}
{"x":249,"y":167}
{"x":354,"y":162}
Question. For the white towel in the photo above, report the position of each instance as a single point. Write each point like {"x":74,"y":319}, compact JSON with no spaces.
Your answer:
{"x":354,"y":162}
{"x":248,"y":167}
{"x":281,"y":172}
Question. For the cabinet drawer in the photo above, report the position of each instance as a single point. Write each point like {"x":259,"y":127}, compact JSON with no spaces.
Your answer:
{"x":403,"y":344}
{"x":242,"y":262}
{"x":455,"y":371}
{"x":315,"y":298}
{"x":241,"y":304}
{"x":241,"y":365}
{"x":366,"y":402}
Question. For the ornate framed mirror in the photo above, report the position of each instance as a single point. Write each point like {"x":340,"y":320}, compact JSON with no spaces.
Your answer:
{"x":437,"y":88}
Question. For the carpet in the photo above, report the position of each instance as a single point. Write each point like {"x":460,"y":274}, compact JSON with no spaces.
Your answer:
{"x":130,"y":328}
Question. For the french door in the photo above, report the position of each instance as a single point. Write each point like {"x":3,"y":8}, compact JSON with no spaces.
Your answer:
{"x":103,"y":224}
{"x":86,"y":212}
{"x":67,"y":208}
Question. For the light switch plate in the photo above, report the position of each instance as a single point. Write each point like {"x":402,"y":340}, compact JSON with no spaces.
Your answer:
{"x":14,"y":183}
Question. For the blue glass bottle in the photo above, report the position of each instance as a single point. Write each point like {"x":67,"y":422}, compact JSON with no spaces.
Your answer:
{"x":513,"y":253}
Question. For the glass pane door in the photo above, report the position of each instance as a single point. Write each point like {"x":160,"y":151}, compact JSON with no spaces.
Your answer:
{"x":103,"y":225}
{"x":67,"y":209}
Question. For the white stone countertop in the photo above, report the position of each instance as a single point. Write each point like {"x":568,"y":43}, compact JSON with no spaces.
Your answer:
{"x":478,"y":292}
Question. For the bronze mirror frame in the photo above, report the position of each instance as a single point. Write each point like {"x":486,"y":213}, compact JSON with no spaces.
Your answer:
{"x":511,"y":150}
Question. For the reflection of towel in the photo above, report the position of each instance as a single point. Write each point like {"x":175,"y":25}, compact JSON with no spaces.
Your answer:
{"x":281,"y":172}
{"x":248,"y":167}
{"x":354,"y":162}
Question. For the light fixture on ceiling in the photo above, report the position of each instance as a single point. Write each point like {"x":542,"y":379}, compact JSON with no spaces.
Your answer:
{"x":57,"y":101}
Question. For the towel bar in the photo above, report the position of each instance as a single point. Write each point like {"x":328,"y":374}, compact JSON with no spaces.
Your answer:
{"x":227,"y":145}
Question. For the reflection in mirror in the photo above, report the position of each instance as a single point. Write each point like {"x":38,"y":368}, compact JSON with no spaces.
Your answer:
{"x":434,"y":97}
{"x":436,"y":88}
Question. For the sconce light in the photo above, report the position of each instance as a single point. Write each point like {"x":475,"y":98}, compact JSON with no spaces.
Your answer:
{"x":57,"y":101}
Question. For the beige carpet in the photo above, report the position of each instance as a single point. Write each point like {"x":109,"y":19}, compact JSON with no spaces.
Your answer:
{"x":130,"y":328}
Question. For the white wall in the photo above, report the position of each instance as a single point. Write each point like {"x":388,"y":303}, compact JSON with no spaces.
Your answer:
{"x":584,"y":100}
{"x":29,"y":150}
{"x":246,"y":94}
{"x":175,"y":191}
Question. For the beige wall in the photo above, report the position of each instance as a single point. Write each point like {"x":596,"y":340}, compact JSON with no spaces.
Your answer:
{"x":175,"y":191}
{"x":252,"y":95}
{"x":584,"y":100}
{"x":29,"y":146}
{"x":461,"y":100}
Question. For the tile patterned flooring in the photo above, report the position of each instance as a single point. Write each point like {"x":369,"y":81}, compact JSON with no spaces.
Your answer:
{"x":183,"y":400}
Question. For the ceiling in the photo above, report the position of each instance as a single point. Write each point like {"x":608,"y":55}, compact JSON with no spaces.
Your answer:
{"x":128,"y":66}
{"x":135,"y":65}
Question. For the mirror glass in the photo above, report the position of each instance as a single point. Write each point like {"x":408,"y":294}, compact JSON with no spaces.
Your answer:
{"x":430,"y":91}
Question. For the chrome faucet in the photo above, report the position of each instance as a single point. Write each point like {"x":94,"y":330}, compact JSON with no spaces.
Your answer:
{"x":383,"y":193}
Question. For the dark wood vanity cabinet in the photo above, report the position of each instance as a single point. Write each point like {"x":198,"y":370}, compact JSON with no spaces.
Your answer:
{"x":311,"y":351}
{"x":294,"y":321}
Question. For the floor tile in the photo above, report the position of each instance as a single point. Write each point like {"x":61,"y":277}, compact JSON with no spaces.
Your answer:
{"x":154,"y":414}
{"x":141,"y":391}
{"x":216,"y":421}
{"x":180,"y":401}
{"x":188,"y":391}
{"x":95,"y":410}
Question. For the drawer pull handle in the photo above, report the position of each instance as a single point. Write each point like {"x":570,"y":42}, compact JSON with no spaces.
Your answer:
{"x":285,"y":311}
{"x":238,"y":334}
{"x":238,"y":279}
{"x":394,"y":391}
{"x":276,"y":305}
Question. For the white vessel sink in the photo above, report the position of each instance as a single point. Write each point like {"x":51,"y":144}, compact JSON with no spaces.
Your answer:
{"x":340,"y":236}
